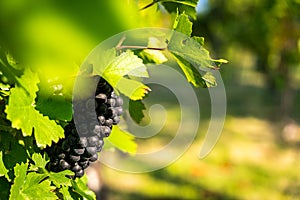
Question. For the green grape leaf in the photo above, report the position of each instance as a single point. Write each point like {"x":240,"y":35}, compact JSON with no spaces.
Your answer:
{"x":200,"y":40}
{"x":136,"y":110}
{"x":20,"y":173}
{"x":122,"y":140}
{"x":190,"y":54}
{"x":66,"y":194}
{"x":23,"y":115}
{"x":189,"y":49}
{"x":103,"y":59}
{"x":38,"y":160}
{"x":55,"y":106}
{"x":30,"y":186}
{"x":34,"y":186}
{"x":183,"y":25}
{"x":126,"y":64}
{"x":3,"y":170}
{"x":154,"y":56}
{"x":133,"y":89}
{"x":12,"y":152}
{"x":173,"y":6}
{"x":209,"y":79}
{"x":7,"y":69}
{"x":193,"y":75}
{"x":5,"y":187}
{"x":80,"y":187}
{"x":187,"y":6}
{"x":60,"y":179}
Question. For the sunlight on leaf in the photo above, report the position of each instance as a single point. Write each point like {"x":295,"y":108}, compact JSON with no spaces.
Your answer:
{"x":23,"y":115}
{"x":122,"y":140}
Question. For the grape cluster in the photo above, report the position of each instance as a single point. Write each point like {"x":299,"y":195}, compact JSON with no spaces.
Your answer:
{"x":77,"y":151}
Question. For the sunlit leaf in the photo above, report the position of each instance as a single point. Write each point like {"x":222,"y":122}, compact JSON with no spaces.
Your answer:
{"x":23,"y":115}
{"x":122,"y":140}
{"x":79,"y":186}
{"x":3,"y":170}
{"x":133,"y":89}
{"x":126,"y":64}
{"x":59,"y":178}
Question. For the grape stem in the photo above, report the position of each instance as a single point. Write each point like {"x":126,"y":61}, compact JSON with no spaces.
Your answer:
{"x":120,"y":46}
{"x":140,"y":47}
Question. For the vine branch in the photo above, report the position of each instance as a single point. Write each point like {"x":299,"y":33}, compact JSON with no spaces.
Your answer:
{"x":120,"y":46}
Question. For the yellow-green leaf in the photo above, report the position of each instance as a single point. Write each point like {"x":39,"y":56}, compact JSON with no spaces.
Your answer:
{"x":122,"y":140}
{"x":23,"y":115}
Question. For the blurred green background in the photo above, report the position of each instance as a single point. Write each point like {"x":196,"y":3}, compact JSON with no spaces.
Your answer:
{"x":257,"y":156}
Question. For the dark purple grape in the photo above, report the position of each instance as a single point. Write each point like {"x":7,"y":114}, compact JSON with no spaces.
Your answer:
{"x":119,"y":111}
{"x":94,"y":157}
{"x":61,"y":155}
{"x":101,"y":98}
{"x":74,"y":158}
{"x":64,"y":165}
{"x":79,"y":174}
{"x":108,"y":122}
{"x":66,"y":146}
{"x":84,"y":164}
{"x":90,"y":151}
{"x":101,"y":109}
{"x":72,"y":140}
{"x":79,"y":151}
{"x":92,"y":141}
{"x":119,"y":101}
{"x":111,"y":102}
{"x":113,"y":95}
{"x":116,"y":120}
{"x":76,"y":168}
{"x":101,"y":119}
{"x":106,"y":131}
{"x":82,"y":142}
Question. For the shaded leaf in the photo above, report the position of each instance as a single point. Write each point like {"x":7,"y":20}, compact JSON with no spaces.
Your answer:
{"x":55,"y":107}
{"x":193,"y":76}
{"x":136,"y":110}
{"x":13,"y":152}
{"x":173,"y":6}
{"x":5,"y":188}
